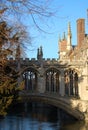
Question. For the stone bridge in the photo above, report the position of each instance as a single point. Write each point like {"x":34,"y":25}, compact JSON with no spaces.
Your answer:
{"x":60,"y":83}
{"x":66,"y":77}
{"x":69,"y":104}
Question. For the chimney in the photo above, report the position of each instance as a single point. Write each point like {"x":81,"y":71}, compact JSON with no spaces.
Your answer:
{"x":80,"y":31}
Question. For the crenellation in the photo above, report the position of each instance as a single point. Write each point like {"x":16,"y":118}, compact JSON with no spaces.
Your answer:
{"x":53,"y":59}
{"x":43,"y":59}
{"x":48,"y":59}
{"x":33,"y":59}
{"x":26,"y":59}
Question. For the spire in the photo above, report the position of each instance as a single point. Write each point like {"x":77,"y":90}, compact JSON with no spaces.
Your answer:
{"x":87,"y":16}
{"x":87,"y":21}
{"x":64,"y":37}
{"x":69,"y":29}
{"x":69,"y":37}
{"x":38,"y":53}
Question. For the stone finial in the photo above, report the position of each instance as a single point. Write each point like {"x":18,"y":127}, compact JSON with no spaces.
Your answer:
{"x":69,"y":29}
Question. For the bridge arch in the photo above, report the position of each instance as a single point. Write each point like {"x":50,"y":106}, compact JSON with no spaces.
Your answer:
{"x":60,"y":102}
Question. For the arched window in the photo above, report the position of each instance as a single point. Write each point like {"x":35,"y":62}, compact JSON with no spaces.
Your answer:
{"x":71,"y":83}
{"x":30,"y":78}
{"x":52,"y":80}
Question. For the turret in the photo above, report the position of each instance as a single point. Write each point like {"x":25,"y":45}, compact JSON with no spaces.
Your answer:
{"x":69,"y":37}
{"x":39,"y":53}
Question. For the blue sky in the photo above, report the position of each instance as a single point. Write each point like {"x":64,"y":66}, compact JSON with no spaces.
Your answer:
{"x":66,"y":11}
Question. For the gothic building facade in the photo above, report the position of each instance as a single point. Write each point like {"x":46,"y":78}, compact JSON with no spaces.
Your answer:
{"x":67,"y":75}
{"x":77,"y":59}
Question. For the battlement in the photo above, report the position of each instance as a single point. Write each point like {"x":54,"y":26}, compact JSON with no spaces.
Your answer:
{"x":32,"y":59}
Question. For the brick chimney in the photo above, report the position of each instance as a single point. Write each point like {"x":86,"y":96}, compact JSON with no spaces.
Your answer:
{"x":80,"y":31}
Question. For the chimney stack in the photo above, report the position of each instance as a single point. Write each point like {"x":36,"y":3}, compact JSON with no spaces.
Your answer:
{"x":80,"y":31}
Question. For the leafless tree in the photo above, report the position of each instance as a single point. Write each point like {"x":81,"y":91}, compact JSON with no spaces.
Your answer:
{"x":12,"y":34}
{"x":35,"y":9}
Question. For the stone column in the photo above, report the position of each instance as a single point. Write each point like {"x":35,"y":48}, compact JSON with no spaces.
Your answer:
{"x":49,"y":84}
{"x":62,"y":84}
{"x":41,"y":81}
